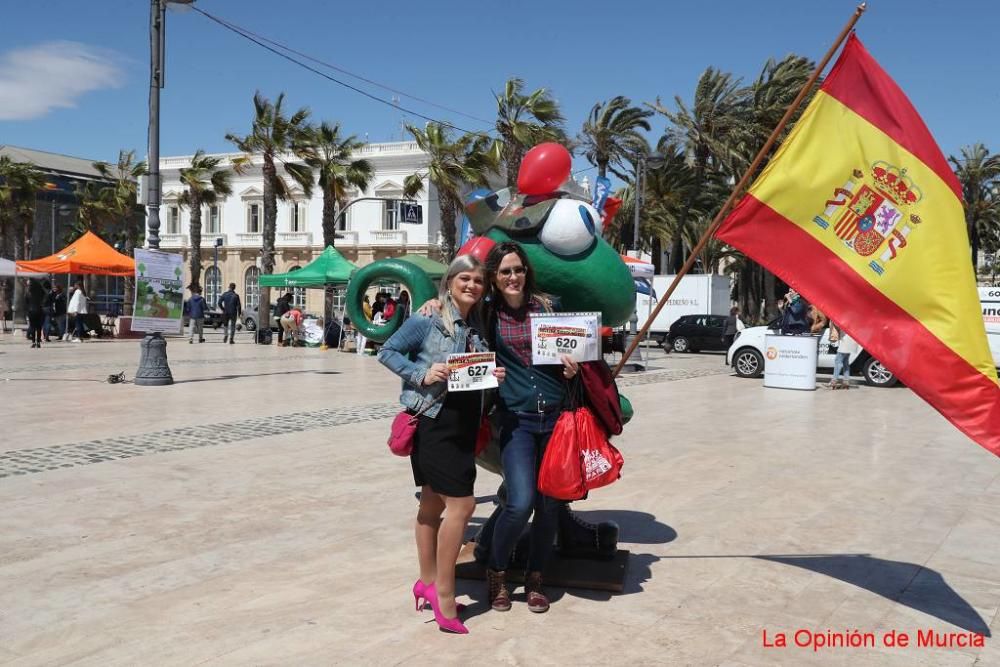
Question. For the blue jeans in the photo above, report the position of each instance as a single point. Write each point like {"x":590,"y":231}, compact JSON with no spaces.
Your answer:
{"x":60,"y":321}
{"x":842,"y":367}
{"x":523,"y":437}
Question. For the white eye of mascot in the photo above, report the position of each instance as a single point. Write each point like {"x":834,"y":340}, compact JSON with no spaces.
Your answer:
{"x":570,"y":227}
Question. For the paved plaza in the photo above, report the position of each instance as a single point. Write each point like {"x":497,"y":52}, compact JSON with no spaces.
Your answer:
{"x":250,"y":514}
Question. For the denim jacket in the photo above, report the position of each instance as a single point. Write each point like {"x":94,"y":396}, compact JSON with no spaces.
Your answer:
{"x":419,"y":343}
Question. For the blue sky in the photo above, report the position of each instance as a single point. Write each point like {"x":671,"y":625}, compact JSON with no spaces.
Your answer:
{"x":74,"y":75}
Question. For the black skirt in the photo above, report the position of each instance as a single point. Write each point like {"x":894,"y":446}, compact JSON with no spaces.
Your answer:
{"x":444,"y":450}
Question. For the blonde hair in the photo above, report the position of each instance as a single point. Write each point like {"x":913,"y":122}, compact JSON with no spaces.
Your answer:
{"x":449,"y":311}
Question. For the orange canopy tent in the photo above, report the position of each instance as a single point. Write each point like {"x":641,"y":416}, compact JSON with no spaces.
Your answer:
{"x":88,"y":255}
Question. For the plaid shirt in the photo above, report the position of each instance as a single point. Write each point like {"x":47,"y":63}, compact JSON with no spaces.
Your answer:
{"x":515,"y":329}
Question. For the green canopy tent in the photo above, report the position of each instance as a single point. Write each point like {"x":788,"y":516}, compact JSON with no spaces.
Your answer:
{"x":330,"y":268}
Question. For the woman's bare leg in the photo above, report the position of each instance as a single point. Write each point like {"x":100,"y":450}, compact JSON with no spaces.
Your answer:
{"x":426,"y":533}
{"x":456,"y":517}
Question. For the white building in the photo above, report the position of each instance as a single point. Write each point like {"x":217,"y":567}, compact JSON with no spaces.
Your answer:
{"x":370,"y":230}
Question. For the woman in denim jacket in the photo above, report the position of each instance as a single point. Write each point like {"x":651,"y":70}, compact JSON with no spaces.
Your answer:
{"x":443,"y":457}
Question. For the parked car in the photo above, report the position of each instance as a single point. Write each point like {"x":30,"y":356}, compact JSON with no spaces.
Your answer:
{"x":251,"y":318}
{"x":694,"y":333}
{"x":213,"y":318}
{"x":746,"y":356}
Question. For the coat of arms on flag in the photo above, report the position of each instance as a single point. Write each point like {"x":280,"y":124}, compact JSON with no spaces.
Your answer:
{"x":873,"y":212}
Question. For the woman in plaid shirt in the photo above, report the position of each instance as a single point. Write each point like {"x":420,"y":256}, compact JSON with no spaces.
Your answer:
{"x":529,"y":403}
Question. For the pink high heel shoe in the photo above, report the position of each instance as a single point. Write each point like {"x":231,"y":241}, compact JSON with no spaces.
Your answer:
{"x":447,"y":624}
{"x":420,"y":597}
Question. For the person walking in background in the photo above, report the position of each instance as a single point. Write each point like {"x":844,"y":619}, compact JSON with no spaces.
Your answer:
{"x":78,"y":309}
{"x":232,"y":309}
{"x":846,"y":348}
{"x":733,"y":325}
{"x":197,"y":307}
{"x":55,"y":312}
{"x":34,"y":301}
{"x":817,"y":321}
{"x":283,"y":306}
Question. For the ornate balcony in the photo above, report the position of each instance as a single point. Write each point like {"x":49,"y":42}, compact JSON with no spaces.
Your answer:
{"x":208,"y":240}
{"x":350,"y":238}
{"x":388,"y":237}
{"x":254,"y":239}
{"x":173,"y":241}
{"x":296,"y":239}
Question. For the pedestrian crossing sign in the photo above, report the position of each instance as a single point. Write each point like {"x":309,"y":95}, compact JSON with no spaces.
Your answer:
{"x":411,"y":213}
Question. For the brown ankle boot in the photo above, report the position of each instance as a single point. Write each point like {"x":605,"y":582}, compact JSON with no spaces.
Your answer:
{"x":499,"y":594}
{"x":538,"y":602}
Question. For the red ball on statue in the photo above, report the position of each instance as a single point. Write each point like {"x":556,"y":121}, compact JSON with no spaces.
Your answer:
{"x":543,"y":169}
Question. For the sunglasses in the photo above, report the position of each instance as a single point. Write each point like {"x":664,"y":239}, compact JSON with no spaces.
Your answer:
{"x":516,"y":271}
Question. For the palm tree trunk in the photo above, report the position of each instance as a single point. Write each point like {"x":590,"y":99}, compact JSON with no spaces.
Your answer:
{"x":19,"y":247}
{"x":329,"y":220}
{"x":602,"y":168}
{"x":657,"y":254}
{"x":512,"y":156}
{"x":330,"y":207}
{"x":195,"y":240}
{"x":770,"y":309}
{"x":131,"y":241}
{"x":448,"y":207}
{"x":270,"y":224}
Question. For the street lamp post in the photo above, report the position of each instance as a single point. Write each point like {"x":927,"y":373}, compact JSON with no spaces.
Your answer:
{"x":642,"y":165}
{"x":153,"y":367}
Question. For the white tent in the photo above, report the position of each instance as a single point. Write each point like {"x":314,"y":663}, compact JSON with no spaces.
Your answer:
{"x":8,"y":270}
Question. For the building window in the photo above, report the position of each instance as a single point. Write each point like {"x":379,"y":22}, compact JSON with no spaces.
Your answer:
{"x":251,"y":287}
{"x":212,"y":225}
{"x":339,"y":300}
{"x":297,"y":217}
{"x":390,"y":215}
{"x":213,"y":286}
{"x":253,"y":218}
{"x":173,"y":220}
{"x":298,"y":293}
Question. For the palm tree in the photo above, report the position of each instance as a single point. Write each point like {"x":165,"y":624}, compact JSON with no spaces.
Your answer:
{"x":523,"y":121}
{"x":20,"y":183}
{"x":205,"y":183}
{"x":331,"y":156}
{"x":121,"y":205}
{"x":979,"y":174}
{"x":338,"y":171}
{"x":611,"y":133}
{"x":453,"y":165}
{"x":705,"y":130}
{"x":273,"y":136}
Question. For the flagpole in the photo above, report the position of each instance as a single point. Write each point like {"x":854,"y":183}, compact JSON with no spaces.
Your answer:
{"x":738,"y":189}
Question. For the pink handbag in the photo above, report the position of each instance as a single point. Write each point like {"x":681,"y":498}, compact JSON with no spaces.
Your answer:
{"x":404,"y":428}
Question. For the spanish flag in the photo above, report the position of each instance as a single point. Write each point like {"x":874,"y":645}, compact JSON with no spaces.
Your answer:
{"x":859,"y":211}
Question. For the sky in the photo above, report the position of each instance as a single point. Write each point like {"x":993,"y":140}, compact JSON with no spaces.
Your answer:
{"x":74,"y":75}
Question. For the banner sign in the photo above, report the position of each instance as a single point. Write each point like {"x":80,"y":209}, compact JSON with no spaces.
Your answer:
{"x":159,"y":296}
{"x":556,"y":334}
{"x":602,"y":188}
{"x":472,"y":371}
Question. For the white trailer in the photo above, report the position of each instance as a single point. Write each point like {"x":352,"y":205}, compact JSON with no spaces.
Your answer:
{"x":695,"y":295}
{"x":989,"y":299}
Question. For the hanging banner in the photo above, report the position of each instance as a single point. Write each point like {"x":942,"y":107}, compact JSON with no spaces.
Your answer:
{"x":159,"y":295}
{"x":602,"y":188}
{"x":556,"y":334}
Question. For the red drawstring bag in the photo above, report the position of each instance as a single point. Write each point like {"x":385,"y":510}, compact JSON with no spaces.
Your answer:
{"x":578,"y":457}
{"x":484,"y":435}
